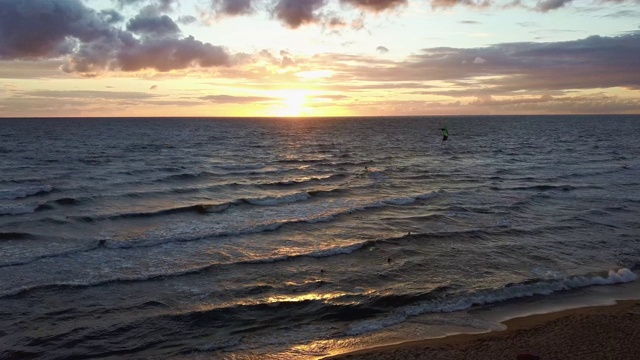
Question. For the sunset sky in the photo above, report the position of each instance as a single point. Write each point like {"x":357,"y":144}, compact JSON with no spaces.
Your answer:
{"x":318,"y":57}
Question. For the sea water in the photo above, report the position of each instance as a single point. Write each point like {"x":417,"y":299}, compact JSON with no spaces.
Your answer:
{"x":296,"y":238}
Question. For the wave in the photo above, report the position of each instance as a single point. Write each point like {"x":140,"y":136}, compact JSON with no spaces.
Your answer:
{"x":197,"y":208}
{"x":302,"y":180}
{"x":23,"y":192}
{"x":468,"y":300}
{"x":240,"y":167}
{"x":322,"y":253}
{"x":275,"y":200}
{"x":362,"y":313}
{"x":214,"y":208}
{"x":92,"y":245}
{"x":271,"y":225}
{"x":318,"y":254}
{"x":222,"y":182}
{"x":18,"y":209}
{"x":545,"y":187}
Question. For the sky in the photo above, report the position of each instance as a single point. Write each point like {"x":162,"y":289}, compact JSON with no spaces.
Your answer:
{"x":315,"y":58}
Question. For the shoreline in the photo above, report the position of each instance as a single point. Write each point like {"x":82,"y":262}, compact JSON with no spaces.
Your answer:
{"x":592,"y":332}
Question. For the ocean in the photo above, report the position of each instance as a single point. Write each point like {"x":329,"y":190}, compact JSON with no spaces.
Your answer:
{"x":196,"y":238}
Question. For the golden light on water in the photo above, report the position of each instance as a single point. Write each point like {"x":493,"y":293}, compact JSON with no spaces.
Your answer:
{"x":304,"y":297}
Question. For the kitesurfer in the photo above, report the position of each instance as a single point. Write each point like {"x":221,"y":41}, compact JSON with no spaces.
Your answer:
{"x":445,"y":134}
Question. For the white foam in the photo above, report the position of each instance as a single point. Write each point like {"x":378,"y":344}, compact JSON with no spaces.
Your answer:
{"x":523,"y":290}
{"x":23,"y":192}
{"x":275,"y":200}
{"x":492,"y":296}
{"x":337,"y":250}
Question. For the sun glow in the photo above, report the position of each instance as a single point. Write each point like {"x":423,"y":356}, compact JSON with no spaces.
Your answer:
{"x":293,"y":103}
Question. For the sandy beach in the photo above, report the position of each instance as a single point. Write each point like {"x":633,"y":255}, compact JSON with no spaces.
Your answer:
{"x":599,"y":332}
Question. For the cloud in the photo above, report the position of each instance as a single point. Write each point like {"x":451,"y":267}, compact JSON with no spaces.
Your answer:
{"x":50,"y":29}
{"x":594,"y":62}
{"x":375,"y":5}
{"x":624,"y":14}
{"x":153,"y":25}
{"x":382,"y":49}
{"x":548,"y":5}
{"x":89,"y":94}
{"x":187,"y":19}
{"x":128,"y":53}
{"x":295,"y":13}
{"x":298,"y":12}
{"x":111,"y":16}
{"x":451,"y":3}
{"x":228,"y":99}
{"x":60,"y":24}
{"x":170,"y":54}
{"x":162,"y":5}
{"x":232,"y":7}
{"x":287,"y":60}
{"x":153,"y":87}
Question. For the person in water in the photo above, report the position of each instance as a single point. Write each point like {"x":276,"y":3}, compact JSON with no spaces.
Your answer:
{"x":445,"y":134}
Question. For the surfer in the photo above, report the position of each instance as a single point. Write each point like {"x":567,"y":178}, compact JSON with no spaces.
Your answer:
{"x":445,"y":134}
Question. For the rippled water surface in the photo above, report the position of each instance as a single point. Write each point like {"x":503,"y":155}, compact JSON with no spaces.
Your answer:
{"x":289,"y":238}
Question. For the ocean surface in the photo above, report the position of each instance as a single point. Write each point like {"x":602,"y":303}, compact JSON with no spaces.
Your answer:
{"x":299,"y":238}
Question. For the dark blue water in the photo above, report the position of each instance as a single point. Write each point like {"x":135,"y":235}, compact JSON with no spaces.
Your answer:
{"x":292,"y":238}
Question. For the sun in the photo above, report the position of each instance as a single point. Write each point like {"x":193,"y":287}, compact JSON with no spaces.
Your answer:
{"x":293,"y":103}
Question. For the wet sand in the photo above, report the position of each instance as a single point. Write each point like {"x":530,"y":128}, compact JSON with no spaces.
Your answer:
{"x":598,"y":332}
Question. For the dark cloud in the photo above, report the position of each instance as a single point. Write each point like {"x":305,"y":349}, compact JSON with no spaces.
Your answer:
{"x":548,"y":5}
{"x":93,"y":57}
{"x":47,"y":28}
{"x":111,"y":16}
{"x":295,"y":13}
{"x":298,"y":12}
{"x":382,"y":49}
{"x":153,"y":25}
{"x":170,"y":54}
{"x":593,"y":62}
{"x":375,"y":5}
{"x":503,"y":71}
{"x":232,"y":7}
{"x":187,"y":19}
